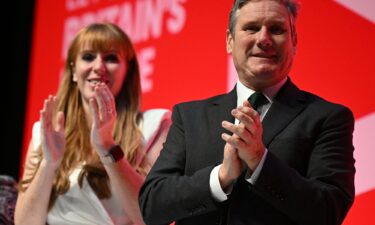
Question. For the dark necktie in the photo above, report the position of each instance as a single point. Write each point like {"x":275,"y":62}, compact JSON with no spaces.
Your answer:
{"x":237,"y":213}
{"x":257,"y":99}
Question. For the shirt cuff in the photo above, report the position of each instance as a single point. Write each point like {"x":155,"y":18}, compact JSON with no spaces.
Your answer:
{"x":252,"y":178}
{"x":216,"y":191}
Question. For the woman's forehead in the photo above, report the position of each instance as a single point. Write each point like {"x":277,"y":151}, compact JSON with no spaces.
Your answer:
{"x":95,"y":46}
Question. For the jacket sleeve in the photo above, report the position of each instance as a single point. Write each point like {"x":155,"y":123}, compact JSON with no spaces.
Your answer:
{"x":324,"y":191}
{"x":169,"y":194}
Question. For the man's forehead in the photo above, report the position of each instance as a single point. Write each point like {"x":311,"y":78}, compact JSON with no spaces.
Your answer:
{"x":263,"y":10}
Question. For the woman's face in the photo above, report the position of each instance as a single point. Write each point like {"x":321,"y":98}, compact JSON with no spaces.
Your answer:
{"x":92,"y":67}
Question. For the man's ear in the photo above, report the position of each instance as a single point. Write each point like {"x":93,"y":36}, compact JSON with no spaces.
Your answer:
{"x":295,"y":45}
{"x":229,"y":42}
{"x":294,"y":39}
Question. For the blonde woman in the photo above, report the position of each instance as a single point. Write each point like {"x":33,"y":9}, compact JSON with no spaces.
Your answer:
{"x":92,"y":146}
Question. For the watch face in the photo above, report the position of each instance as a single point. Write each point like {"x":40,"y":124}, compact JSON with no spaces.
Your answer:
{"x":114,"y":154}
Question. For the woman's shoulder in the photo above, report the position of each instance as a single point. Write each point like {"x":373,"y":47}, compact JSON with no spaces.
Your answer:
{"x":35,"y":135}
{"x":154,"y":120}
{"x":156,"y":114}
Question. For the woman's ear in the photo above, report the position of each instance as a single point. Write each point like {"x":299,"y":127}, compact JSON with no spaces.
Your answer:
{"x":73,"y":69}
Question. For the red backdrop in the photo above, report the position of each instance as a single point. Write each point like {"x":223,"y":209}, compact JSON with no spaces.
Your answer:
{"x":181,"y":49}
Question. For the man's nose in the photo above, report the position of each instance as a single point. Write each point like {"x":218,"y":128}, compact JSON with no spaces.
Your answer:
{"x":264,"y":38}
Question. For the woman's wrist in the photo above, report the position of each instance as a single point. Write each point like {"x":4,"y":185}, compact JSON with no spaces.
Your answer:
{"x":50,"y":165}
{"x":114,"y":154}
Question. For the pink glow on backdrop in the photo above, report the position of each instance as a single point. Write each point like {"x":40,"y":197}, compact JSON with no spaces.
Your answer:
{"x":181,"y":48}
{"x":365,"y":8}
{"x":364,"y":136}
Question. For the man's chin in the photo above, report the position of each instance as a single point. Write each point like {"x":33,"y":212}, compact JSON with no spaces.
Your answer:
{"x":264,"y":73}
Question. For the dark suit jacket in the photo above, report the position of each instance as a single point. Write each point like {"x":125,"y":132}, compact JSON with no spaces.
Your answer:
{"x":307,"y":177}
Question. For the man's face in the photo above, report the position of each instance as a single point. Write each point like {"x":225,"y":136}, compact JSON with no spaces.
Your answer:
{"x":262,"y":46}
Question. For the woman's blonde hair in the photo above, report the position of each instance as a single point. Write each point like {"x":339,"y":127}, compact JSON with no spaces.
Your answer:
{"x":78,"y":149}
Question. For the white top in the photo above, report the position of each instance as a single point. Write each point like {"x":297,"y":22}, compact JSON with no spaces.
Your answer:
{"x":80,"y":206}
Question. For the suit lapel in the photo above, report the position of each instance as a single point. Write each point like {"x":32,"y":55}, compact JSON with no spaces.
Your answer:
{"x":288,"y":103}
{"x":219,"y":109}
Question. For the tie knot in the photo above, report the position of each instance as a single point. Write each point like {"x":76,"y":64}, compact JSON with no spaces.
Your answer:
{"x":257,"y":99}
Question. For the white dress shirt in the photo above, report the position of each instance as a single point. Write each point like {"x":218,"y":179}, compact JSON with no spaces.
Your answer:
{"x":243,"y":93}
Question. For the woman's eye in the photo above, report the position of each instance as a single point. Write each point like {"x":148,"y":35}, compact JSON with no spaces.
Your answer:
{"x":88,"y":57}
{"x":112,"y":58}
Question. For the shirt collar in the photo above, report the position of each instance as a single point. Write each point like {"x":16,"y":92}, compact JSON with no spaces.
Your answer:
{"x":243,"y":92}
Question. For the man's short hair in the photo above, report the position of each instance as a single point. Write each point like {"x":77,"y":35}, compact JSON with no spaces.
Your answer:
{"x":291,"y":5}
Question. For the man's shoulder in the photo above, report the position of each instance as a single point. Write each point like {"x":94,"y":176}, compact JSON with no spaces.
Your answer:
{"x":291,"y":91}
{"x":324,"y":105}
{"x":201,"y":102}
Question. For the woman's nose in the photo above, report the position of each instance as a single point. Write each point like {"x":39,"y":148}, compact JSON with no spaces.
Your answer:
{"x":99,"y":66}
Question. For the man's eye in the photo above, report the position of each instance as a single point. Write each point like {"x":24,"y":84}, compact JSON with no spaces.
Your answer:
{"x":252,"y":29}
{"x":277,"y":30}
{"x":88,"y":57}
{"x":112,"y":58}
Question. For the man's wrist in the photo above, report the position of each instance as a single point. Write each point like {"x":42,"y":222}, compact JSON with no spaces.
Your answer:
{"x":253,"y":163}
{"x":216,"y":191}
{"x":224,"y":179}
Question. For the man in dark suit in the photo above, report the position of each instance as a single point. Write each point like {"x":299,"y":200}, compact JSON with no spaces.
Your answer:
{"x":285,"y":158}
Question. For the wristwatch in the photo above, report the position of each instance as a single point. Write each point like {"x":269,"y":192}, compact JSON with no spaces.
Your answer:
{"x":114,"y":154}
